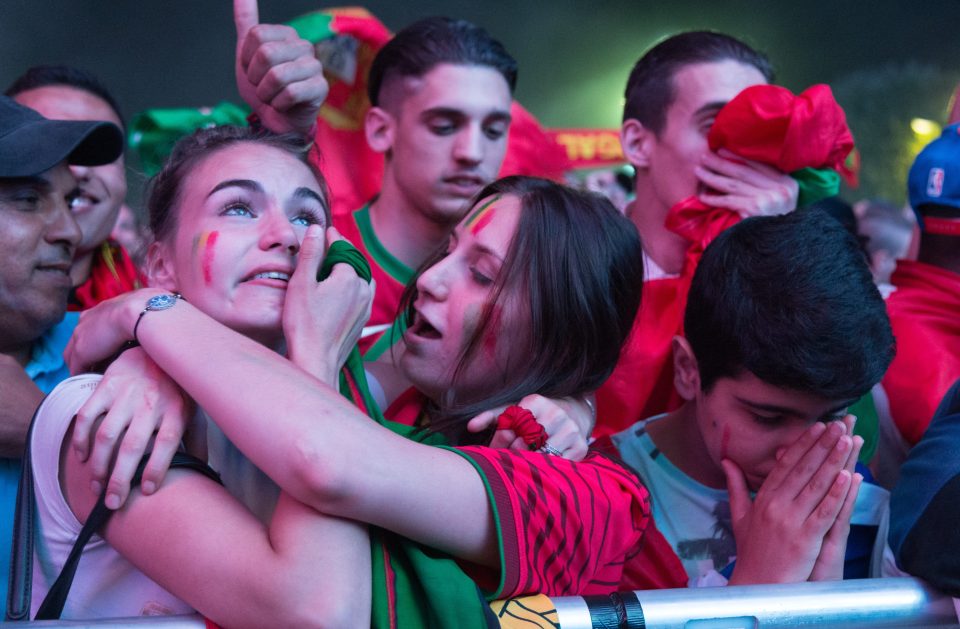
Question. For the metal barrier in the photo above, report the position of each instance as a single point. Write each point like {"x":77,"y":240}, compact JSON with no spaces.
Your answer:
{"x":193,"y":621}
{"x":866,"y":603}
{"x":863,"y":603}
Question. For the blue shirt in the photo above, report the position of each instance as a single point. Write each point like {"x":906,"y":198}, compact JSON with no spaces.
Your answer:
{"x":47,"y":369}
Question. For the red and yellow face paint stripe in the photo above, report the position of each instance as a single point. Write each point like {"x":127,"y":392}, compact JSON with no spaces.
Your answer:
{"x":481,"y":217}
{"x":205,"y":242}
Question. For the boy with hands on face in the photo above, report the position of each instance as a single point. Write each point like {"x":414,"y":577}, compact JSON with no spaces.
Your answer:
{"x":783,"y":330}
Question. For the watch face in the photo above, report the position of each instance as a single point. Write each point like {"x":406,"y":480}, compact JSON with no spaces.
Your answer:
{"x":161,"y":302}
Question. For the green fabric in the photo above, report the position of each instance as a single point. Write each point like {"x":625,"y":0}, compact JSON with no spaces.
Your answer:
{"x":384,"y":259}
{"x":154,"y":131}
{"x":313,"y":27}
{"x":392,"y":267}
{"x":867,"y":426}
{"x":342,"y":252}
{"x":413,"y":585}
{"x":387,"y":339}
{"x":816,"y":184}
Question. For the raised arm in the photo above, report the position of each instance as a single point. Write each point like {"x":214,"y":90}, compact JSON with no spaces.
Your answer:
{"x":313,"y":447}
{"x":277,"y":72}
{"x":320,"y":448}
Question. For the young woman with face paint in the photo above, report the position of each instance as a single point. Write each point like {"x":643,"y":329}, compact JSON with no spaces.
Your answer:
{"x":229,"y":211}
{"x":534,"y":294}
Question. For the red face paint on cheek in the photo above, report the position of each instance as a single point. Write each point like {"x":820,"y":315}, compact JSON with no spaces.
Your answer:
{"x":207,"y":242}
{"x":493,"y":332}
{"x":724,"y":442}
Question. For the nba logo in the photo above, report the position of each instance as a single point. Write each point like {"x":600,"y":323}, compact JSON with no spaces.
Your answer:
{"x":935,"y":182}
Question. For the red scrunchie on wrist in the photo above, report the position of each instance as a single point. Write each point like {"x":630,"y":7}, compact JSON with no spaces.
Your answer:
{"x":521,"y":421}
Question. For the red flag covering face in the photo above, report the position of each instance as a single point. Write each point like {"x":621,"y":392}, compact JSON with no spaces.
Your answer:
{"x":768,"y":124}
{"x":924,"y":316}
{"x":765,"y":123}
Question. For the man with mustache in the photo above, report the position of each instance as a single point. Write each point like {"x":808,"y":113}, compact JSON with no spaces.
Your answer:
{"x":38,"y":238}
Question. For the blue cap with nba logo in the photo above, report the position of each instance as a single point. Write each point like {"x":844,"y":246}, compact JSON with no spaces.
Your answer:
{"x":935,"y":180}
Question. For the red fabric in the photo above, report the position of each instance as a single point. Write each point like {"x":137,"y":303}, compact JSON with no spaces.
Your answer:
{"x":112,"y":273}
{"x":766,"y":123}
{"x":568,"y":528}
{"x":571,"y":528}
{"x":530,"y":150}
{"x":769,"y":124}
{"x":925,"y":316}
{"x":340,"y":150}
{"x":386,"y":299}
{"x":941,"y":226}
{"x":523,"y":423}
{"x":954,"y":116}
{"x":657,"y":565}
{"x":641,"y":385}
{"x":406,"y":409}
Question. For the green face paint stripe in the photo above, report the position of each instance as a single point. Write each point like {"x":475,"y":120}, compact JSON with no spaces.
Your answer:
{"x":479,"y":212}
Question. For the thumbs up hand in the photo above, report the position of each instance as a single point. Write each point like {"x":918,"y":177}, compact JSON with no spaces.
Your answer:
{"x":277,"y":73}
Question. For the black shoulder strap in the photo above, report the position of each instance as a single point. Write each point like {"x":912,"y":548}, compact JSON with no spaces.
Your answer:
{"x":52,"y":605}
{"x":19,"y":594}
{"x":21,"y":555}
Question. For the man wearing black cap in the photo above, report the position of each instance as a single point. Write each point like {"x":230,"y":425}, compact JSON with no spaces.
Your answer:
{"x":38,"y":235}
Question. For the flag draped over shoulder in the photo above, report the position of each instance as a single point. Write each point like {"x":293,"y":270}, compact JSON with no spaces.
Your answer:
{"x":923,"y":314}
{"x":804,"y":135}
{"x":413,"y":585}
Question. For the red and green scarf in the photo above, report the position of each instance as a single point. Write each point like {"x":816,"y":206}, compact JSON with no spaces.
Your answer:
{"x":413,"y":585}
{"x":112,"y":273}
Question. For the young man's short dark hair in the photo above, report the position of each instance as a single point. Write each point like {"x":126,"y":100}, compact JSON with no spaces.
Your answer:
{"x":650,"y":89}
{"x":416,"y":49}
{"x":791,"y":300}
{"x":44,"y":75}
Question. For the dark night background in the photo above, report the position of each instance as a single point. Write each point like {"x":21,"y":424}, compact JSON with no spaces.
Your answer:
{"x":887,"y":61}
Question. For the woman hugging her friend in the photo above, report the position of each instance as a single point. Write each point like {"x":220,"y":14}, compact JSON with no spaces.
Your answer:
{"x":530,"y":300}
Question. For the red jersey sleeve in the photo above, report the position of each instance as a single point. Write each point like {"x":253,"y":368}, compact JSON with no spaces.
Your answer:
{"x":566,"y":528}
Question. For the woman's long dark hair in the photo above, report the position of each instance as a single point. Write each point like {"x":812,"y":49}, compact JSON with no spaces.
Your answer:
{"x":575,"y":271}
